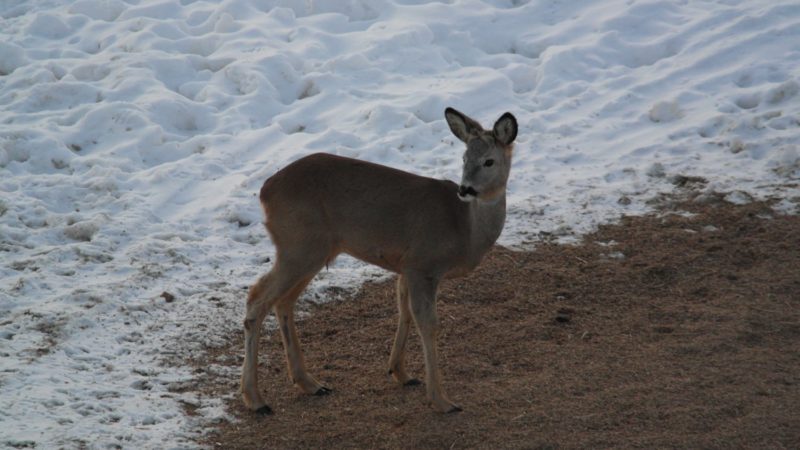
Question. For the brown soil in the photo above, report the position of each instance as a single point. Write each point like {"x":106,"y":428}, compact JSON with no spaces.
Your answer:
{"x":667,"y":331}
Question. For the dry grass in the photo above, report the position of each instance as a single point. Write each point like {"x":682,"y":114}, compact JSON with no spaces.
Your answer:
{"x":679,"y":335}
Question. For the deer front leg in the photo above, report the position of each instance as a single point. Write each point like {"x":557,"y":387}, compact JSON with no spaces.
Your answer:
{"x":422,"y":292}
{"x":397,"y":359}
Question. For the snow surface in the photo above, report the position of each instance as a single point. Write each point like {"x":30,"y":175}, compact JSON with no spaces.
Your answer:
{"x":134,"y":136}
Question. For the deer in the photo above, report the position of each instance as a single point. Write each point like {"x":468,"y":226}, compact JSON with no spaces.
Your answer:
{"x":421,"y":228}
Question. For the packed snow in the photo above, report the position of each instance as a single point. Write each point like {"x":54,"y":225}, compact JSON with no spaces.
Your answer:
{"x":135,"y":134}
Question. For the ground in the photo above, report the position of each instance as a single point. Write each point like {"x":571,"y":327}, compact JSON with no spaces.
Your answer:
{"x":674,"y":330}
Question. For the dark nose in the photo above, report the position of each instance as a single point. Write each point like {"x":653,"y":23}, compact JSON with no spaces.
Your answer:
{"x":466,"y":190}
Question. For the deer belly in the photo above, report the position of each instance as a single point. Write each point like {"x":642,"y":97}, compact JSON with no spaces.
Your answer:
{"x":384,"y":258}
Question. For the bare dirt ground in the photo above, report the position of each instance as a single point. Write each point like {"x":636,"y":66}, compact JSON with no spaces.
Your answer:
{"x":666,"y":331}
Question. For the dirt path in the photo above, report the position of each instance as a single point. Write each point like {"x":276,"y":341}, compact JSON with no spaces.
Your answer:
{"x":659,"y":332}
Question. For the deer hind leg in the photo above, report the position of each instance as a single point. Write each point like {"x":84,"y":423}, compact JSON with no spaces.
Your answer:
{"x":422,"y":293}
{"x":284,"y":311}
{"x":262,"y":295}
{"x":397,"y":359}
{"x":268,"y":291}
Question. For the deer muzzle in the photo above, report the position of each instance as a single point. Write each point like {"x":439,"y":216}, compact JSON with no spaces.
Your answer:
{"x":466,"y":193}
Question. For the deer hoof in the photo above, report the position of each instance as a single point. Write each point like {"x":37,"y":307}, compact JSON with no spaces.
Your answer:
{"x":323,"y":391}
{"x":264,"y":411}
{"x":454,"y":409}
{"x":447,"y":408}
{"x":412,"y":382}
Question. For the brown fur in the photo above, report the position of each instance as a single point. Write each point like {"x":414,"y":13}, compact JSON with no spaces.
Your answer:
{"x":323,"y":205}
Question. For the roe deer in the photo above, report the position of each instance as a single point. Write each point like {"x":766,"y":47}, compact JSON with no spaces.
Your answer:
{"x":421,"y":228}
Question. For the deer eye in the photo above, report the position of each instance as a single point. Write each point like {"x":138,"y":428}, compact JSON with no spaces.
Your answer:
{"x":488,"y":163}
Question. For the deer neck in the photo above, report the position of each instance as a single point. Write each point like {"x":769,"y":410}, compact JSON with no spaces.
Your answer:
{"x":487,"y":219}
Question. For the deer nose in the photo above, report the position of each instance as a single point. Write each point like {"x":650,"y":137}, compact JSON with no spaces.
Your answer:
{"x":464,"y":191}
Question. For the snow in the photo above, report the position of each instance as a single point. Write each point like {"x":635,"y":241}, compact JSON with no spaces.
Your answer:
{"x":134,"y":136}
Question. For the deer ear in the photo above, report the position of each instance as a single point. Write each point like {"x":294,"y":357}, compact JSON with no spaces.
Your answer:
{"x":462,"y":126}
{"x":505,"y":129}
